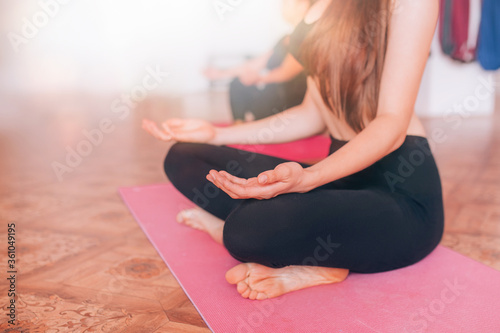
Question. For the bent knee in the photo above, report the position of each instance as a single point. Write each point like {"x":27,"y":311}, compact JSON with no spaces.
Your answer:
{"x":236,"y":85}
{"x":176,"y":155}
{"x":246,"y":240}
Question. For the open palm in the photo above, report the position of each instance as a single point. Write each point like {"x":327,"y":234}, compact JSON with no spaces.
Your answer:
{"x":182,"y":130}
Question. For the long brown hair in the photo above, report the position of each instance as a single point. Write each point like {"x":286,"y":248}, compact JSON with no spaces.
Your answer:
{"x":345,"y":52}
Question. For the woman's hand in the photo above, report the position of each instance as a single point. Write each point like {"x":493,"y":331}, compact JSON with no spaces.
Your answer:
{"x":285,"y":178}
{"x":249,"y":77}
{"x":214,"y":74}
{"x":182,"y":130}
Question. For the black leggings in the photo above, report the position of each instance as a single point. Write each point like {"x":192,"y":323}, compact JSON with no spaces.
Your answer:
{"x":385,"y":217}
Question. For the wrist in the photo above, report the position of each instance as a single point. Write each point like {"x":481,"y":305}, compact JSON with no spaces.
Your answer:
{"x":309,"y":181}
{"x":263,"y":77}
{"x":217,"y":139}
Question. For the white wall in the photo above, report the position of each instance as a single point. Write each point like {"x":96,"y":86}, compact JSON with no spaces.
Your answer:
{"x":451,"y":87}
{"x":105,"y":45}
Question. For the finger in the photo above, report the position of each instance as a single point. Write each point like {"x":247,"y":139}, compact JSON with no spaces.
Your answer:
{"x":233,"y":179}
{"x":175,"y":122}
{"x":148,"y":128}
{"x":240,"y":181}
{"x":235,"y":190}
{"x":210,"y":177}
{"x":146,"y":124}
{"x":241,"y":185}
{"x":167,"y":129}
{"x":214,"y":178}
{"x":250,"y":190}
{"x":159,"y":134}
{"x":255,"y":190}
{"x":245,"y":190}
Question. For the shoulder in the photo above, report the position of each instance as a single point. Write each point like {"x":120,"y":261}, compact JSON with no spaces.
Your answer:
{"x":421,"y":10}
{"x":316,"y":11}
{"x":410,"y":18}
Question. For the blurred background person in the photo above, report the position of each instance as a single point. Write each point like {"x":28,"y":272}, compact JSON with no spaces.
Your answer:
{"x":270,"y":83}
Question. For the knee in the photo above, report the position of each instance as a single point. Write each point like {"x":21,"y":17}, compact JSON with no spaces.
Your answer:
{"x":236,"y":85}
{"x":234,"y":243}
{"x":172,"y":156}
{"x":177,"y":154}
{"x":240,"y":248}
{"x":245,"y":238}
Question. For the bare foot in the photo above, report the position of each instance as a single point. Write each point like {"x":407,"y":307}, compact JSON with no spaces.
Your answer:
{"x":259,"y":282}
{"x":199,"y":219}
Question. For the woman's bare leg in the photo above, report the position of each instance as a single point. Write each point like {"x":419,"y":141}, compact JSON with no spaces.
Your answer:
{"x":260,"y":282}
{"x":200,"y":219}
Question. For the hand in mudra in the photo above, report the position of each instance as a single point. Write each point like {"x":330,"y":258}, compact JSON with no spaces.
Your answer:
{"x":250,"y":77}
{"x":213,"y":74}
{"x":181,"y":130}
{"x":285,"y":178}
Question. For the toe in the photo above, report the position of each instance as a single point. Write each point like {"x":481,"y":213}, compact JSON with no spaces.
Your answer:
{"x":180,"y":217}
{"x":185,"y":215}
{"x":246,"y":293}
{"x":253,"y":294}
{"x":237,"y":273}
{"x":261,"y":296}
{"x":241,"y":287}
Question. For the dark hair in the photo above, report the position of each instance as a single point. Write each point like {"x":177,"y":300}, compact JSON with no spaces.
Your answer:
{"x":345,"y":52}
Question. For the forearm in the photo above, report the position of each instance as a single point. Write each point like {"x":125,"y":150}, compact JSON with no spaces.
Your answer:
{"x":256,"y":64}
{"x":234,"y":71}
{"x":289,"y":69}
{"x":259,"y":63}
{"x":404,"y":66}
{"x":277,"y":75}
{"x":369,"y":146}
{"x":293,"y":124}
{"x":411,"y":33}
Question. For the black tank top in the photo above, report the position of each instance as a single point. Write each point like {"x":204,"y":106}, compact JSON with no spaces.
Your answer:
{"x":297,"y":38}
{"x":279,"y":53}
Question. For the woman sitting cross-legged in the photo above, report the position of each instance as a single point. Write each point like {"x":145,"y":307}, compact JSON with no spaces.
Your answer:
{"x":373,"y":205}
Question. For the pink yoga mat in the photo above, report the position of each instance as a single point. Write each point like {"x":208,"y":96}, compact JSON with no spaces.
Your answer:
{"x":446,"y":292}
{"x":307,"y":150}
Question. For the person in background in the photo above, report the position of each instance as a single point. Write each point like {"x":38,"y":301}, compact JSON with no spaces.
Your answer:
{"x":270,"y":83}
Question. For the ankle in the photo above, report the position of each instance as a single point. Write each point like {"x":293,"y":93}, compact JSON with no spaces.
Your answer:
{"x":322,"y":275}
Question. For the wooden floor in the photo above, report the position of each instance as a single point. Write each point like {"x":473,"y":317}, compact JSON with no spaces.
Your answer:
{"x":85,"y":265}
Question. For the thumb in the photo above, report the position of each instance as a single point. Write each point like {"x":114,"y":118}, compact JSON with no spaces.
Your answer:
{"x":280,"y":173}
{"x":189,"y":136}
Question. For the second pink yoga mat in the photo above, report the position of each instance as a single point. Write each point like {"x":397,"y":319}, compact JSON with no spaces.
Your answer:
{"x":307,"y":150}
{"x":446,"y":292}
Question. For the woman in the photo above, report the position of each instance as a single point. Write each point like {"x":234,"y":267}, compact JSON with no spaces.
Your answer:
{"x":373,"y":205}
{"x":272,"y":82}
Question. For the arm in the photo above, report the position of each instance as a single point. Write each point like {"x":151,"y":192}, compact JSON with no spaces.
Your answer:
{"x":412,"y":29}
{"x":293,"y":124}
{"x":259,"y":63}
{"x":254,"y":65}
{"x":289,"y":69}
